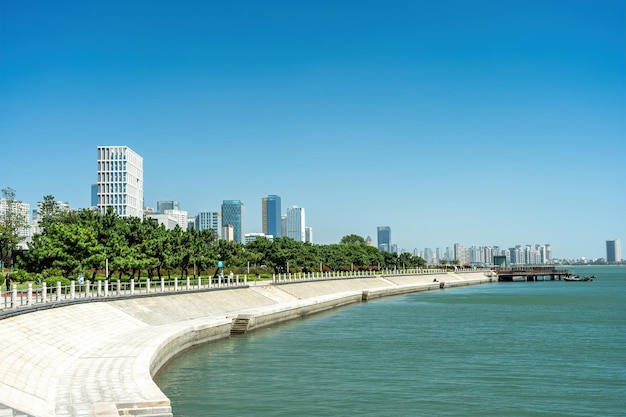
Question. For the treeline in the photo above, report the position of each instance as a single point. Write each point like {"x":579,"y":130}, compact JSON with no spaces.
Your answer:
{"x":84,"y":241}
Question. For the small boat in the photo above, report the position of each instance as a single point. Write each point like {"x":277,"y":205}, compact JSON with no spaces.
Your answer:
{"x":572,"y":278}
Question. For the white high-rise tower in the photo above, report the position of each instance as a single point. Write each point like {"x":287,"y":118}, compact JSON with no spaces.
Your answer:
{"x":120,"y":181}
{"x":295,"y":223}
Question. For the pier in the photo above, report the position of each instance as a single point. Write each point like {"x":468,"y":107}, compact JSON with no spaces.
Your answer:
{"x":530,"y":273}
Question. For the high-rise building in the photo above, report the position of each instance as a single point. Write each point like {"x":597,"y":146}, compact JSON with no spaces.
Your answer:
{"x":283,"y":224}
{"x":308,"y":234}
{"x":233,"y":213}
{"x":120,"y":181}
{"x":461,"y":254}
{"x":209,"y":221}
{"x":271,"y":216}
{"x":167,"y":205}
{"x":613,"y":251}
{"x":384,"y":238}
{"x":18,"y":212}
{"x":295,"y":223}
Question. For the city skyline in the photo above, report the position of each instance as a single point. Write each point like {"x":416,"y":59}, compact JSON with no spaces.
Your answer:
{"x":482,"y":123}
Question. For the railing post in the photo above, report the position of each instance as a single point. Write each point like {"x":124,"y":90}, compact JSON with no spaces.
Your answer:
{"x":132,"y":286}
{"x":147,"y":285}
{"x":106,"y":287}
{"x":99,"y":289}
{"x":162,"y":284}
{"x":119,"y":287}
{"x":175,"y":284}
{"x":188,"y":283}
{"x":29,"y":295}
{"x":72,"y":290}
{"x":14,"y":296}
{"x":44,"y":292}
{"x":199,"y":282}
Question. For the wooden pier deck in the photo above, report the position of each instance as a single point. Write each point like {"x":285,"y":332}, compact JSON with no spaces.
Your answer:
{"x":530,"y":273}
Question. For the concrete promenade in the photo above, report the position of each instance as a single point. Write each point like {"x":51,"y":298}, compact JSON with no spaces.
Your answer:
{"x":99,"y":358}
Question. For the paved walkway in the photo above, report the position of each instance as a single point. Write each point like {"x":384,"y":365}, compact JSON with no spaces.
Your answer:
{"x":98,"y":359}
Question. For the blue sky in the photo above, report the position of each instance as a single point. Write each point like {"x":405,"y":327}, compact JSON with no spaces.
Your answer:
{"x":482,"y":122}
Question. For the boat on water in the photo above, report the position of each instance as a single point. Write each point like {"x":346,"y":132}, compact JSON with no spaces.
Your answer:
{"x":578,"y":278}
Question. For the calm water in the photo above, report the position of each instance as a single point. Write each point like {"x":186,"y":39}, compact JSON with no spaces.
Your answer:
{"x":550,"y":348}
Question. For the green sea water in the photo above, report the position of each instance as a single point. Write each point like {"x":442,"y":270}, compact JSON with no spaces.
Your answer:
{"x":547,"y":348}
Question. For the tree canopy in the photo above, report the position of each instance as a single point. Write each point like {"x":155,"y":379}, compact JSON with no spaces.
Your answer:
{"x":86,"y":241}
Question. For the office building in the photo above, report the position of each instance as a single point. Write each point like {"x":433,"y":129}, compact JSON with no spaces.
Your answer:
{"x":233,"y":214}
{"x":308,"y":234}
{"x":251,"y":237}
{"x":613,"y":251}
{"x":179,"y":215}
{"x":209,"y":221}
{"x":384,"y":238}
{"x":167,"y":205}
{"x":228,"y":233}
{"x":120,"y":181}
{"x":295,"y":223}
{"x":271,"y":215}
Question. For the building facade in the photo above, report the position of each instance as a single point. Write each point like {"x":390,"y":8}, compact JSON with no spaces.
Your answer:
{"x":120,"y":181}
{"x":167,"y":205}
{"x":209,"y":220}
{"x":384,"y":238}
{"x":233,"y":213}
{"x":613,"y":251}
{"x":271,"y":216}
{"x":295,"y":223}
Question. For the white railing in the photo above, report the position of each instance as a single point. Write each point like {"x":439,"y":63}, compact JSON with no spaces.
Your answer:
{"x":41,"y":295}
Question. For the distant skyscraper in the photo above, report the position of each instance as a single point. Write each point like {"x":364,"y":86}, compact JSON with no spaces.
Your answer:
{"x":308,"y":234}
{"x":209,"y":221}
{"x":233,"y":213}
{"x":167,"y":205}
{"x":283,"y":224}
{"x":384,"y":238}
{"x":120,"y":181}
{"x":271,"y":216}
{"x":613,"y":251}
{"x":296,"y":223}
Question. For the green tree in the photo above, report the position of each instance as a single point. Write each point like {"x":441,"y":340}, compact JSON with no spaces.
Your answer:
{"x":353,"y":239}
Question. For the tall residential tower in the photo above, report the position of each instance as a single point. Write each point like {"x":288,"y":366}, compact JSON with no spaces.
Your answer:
{"x":120,"y":181}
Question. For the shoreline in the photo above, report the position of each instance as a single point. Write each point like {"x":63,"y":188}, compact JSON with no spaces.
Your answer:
{"x":99,"y":359}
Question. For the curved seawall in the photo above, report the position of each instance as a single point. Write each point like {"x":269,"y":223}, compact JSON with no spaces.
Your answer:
{"x":98,"y":359}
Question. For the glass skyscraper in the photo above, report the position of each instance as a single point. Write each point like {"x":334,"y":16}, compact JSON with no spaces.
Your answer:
{"x":613,"y":251}
{"x":296,"y":223}
{"x":384,"y":238}
{"x":271,"y":215}
{"x":233,"y":213}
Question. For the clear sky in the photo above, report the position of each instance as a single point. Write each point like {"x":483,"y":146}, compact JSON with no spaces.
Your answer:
{"x":472,"y":122}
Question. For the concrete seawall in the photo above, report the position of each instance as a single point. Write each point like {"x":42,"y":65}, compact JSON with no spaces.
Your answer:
{"x":98,"y":359}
